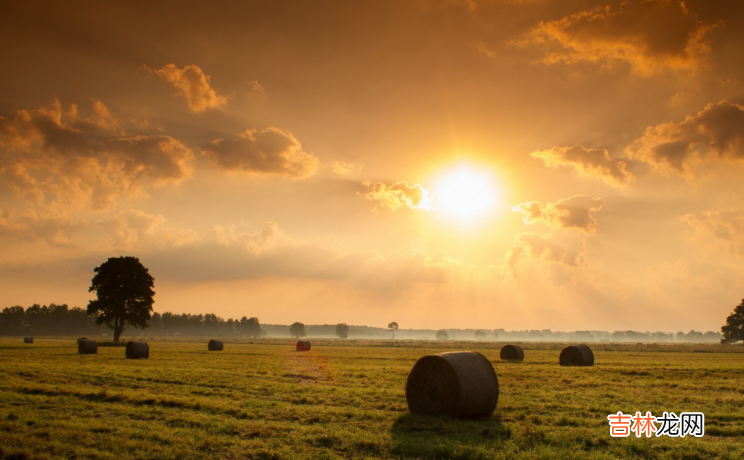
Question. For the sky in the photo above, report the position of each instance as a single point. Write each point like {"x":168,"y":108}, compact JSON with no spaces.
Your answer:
{"x":528,"y":164}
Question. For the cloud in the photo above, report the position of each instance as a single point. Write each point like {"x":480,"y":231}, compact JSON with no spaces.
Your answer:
{"x":55,"y":157}
{"x":725,"y":227}
{"x":398,"y":195}
{"x":715,"y":132}
{"x":343,"y":168}
{"x":29,"y":228}
{"x":574,"y":212}
{"x":270,"y":151}
{"x":647,"y":35}
{"x":194,"y":85}
{"x":563,"y":248}
{"x":135,"y":229}
{"x":236,"y":235}
{"x":590,"y":162}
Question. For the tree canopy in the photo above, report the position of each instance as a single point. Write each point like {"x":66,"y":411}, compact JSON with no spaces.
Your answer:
{"x":297,"y":330}
{"x":442,"y":335}
{"x":342,"y":330}
{"x":733,"y":331}
{"x":393,"y":327}
{"x":125,"y":294}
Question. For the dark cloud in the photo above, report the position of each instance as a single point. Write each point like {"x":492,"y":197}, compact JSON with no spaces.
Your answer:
{"x":53,"y":156}
{"x":269,"y":151}
{"x":574,"y":212}
{"x":647,"y":35}
{"x":715,"y":132}
{"x":591,"y":162}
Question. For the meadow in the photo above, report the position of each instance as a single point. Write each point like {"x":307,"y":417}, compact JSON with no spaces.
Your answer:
{"x":346,"y":399}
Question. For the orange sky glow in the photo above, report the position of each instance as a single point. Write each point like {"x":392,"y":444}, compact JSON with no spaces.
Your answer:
{"x":510,"y":164}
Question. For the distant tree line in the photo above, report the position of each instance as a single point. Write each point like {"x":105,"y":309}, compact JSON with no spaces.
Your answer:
{"x":64,"y":320}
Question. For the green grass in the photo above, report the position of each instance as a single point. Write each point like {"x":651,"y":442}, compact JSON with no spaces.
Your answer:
{"x":346,"y":399}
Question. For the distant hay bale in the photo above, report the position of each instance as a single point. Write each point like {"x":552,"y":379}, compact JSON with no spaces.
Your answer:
{"x":458,"y":384}
{"x":81,"y":339}
{"x":215,"y":345}
{"x":87,"y":347}
{"x":512,"y":353}
{"x":28,"y":340}
{"x":138,"y":350}
{"x":577,"y":355}
{"x":303,"y":345}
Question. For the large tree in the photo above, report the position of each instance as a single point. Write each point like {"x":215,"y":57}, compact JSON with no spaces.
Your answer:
{"x":297,"y":330}
{"x":125,"y":294}
{"x":733,"y":331}
{"x":342,"y":330}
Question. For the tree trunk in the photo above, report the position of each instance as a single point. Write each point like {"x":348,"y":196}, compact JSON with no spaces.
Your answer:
{"x":117,"y":329}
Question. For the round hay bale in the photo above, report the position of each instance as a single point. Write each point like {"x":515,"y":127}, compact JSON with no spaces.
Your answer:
{"x":577,"y":355}
{"x":303,"y":345}
{"x":512,"y":353}
{"x":28,"y":340}
{"x":80,"y":339}
{"x":461,"y":384}
{"x":215,"y":345}
{"x":87,"y":347}
{"x":138,"y":350}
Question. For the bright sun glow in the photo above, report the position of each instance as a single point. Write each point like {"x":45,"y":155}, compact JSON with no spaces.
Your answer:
{"x":465,"y":194}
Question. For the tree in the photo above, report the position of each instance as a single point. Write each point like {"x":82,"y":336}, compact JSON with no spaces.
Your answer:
{"x":251,"y":327}
{"x":297,"y":330}
{"x":125,"y":294}
{"x":480,"y":335}
{"x":342,"y":331}
{"x":393,"y":327}
{"x":733,"y":331}
{"x":442,"y":335}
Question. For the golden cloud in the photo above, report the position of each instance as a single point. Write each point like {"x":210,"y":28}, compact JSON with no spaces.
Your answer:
{"x":574,"y":212}
{"x":724,"y":227}
{"x":398,"y":195}
{"x":590,"y":162}
{"x":55,"y":157}
{"x":647,"y":35}
{"x":715,"y":132}
{"x":193,"y":85}
{"x":562,"y":248}
{"x":269,"y":151}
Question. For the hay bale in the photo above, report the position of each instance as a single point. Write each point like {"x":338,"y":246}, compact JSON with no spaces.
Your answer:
{"x":215,"y":345}
{"x":87,"y":347}
{"x":461,"y":384}
{"x":28,"y":340}
{"x":303,"y":345}
{"x":577,"y":355}
{"x":138,"y":350}
{"x":512,"y":353}
{"x":80,"y":339}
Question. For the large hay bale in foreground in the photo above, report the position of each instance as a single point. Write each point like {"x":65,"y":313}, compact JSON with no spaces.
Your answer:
{"x":87,"y":347}
{"x":303,"y":345}
{"x":512,"y":353}
{"x":460,"y":384}
{"x":80,"y":339}
{"x":28,"y":340}
{"x":215,"y":345}
{"x":577,"y":355}
{"x":138,"y":350}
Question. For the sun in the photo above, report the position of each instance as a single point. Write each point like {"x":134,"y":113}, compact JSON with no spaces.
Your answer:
{"x":465,"y":194}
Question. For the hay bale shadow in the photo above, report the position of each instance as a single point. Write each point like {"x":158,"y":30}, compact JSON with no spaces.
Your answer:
{"x":423,"y":436}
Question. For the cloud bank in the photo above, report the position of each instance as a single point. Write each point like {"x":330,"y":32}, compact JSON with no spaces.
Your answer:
{"x":398,"y":195}
{"x":193,"y":85}
{"x":574,"y":212}
{"x":269,"y":151}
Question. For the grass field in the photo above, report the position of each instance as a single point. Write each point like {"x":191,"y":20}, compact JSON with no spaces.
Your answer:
{"x":346,"y":399}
